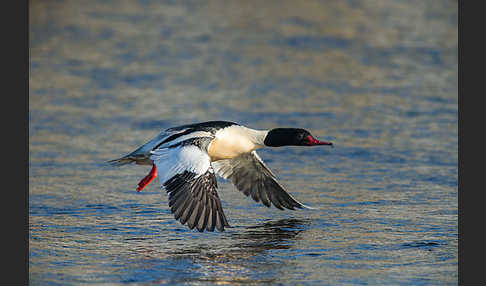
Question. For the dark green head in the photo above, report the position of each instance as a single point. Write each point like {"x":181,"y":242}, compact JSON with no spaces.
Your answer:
{"x":291,"y":137}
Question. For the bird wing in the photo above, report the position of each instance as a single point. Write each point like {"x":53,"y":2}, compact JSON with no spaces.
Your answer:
{"x":186,"y":174}
{"x":253,"y":178}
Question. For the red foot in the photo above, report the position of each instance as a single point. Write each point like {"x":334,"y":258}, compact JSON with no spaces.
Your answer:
{"x":148,"y":179}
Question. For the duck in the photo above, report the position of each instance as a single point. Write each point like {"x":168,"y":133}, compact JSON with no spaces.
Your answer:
{"x":187,"y":158}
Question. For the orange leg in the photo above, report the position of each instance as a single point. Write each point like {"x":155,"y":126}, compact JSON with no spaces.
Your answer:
{"x":148,"y":179}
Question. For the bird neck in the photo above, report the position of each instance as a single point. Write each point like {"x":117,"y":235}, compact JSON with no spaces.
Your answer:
{"x":257,"y":137}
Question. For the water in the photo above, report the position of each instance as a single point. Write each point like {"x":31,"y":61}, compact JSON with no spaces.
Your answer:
{"x":377,"y":78}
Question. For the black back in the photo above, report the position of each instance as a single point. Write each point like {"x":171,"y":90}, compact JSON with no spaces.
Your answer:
{"x":209,"y":126}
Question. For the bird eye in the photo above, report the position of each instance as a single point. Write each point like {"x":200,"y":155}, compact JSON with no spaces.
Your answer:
{"x":302,"y":136}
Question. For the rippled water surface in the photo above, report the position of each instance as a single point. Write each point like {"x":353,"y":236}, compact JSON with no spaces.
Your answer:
{"x":377,"y":78}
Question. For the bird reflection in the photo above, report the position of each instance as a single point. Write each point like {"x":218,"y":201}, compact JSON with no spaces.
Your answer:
{"x":278,"y":234}
{"x":237,"y":256}
{"x":252,"y":240}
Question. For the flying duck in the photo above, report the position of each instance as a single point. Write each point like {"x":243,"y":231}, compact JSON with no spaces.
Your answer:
{"x":186,"y":159}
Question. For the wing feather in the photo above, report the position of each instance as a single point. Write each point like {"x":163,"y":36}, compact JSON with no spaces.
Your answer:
{"x":253,"y":178}
{"x":186,"y":174}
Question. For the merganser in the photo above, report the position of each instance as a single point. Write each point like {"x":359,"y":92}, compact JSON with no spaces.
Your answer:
{"x":186,"y":159}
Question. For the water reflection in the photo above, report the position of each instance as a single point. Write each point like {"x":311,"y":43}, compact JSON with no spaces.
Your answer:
{"x":279,"y":234}
{"x":240,"y":256}
{"x":241,"y":243}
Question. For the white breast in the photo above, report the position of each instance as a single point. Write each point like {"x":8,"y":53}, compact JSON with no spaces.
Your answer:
{"x":234,"y":140}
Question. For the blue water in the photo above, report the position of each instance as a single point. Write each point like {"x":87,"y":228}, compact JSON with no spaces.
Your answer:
{"x":378,"y":79}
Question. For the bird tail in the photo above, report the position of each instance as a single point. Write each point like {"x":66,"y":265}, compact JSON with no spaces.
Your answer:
{"x":121,"y":161}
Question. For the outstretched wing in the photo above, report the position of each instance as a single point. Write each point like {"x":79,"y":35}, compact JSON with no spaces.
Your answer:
{"x":253,"y":178}
{"x":185,"y":172}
